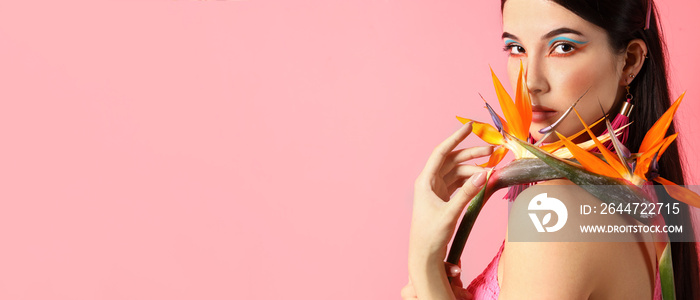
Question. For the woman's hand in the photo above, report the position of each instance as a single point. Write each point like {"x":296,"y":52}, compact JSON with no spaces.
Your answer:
{"x":435,"y":214}
{"x":454,"y":271}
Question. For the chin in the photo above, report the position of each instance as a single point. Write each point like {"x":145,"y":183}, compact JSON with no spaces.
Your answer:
{"x":552,"y":138}
{"x":537,"y":136}
{"x":534,"y":131}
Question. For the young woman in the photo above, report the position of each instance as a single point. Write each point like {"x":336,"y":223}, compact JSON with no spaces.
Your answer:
{"x":566,"y":47}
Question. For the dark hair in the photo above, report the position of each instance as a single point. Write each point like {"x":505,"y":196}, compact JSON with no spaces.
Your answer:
{"x":624,"y":20}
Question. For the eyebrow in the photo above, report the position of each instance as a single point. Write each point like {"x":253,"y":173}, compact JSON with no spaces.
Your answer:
{"x":549,"y":35}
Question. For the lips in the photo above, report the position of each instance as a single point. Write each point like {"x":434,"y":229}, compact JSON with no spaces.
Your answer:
{"x":542,"y":113}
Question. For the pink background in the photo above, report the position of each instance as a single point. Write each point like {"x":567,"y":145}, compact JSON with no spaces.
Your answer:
{"x":242,"y":149}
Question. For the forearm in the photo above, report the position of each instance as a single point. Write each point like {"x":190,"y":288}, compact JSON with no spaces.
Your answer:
{"x":430,"y":280}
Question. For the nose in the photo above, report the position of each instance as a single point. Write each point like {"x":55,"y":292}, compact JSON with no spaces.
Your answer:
{"x":536,"y":77}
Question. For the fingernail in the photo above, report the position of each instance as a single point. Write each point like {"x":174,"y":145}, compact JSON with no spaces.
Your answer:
{"x":455,"y":270}
{"x":479,"y":179}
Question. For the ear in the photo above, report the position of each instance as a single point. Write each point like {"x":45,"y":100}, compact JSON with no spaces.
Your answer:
{"x":635,"y":55}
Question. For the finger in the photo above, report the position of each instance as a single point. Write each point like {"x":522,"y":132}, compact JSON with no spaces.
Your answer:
{"x":438,"y":156}
{"x":462,"y":155}
{"x":461,"y":172}
{"x":455,"y":185}
{"x":457,"y":281}
{"x":462,"y":293}
{"x":452,"y":270}
{"x":467,"y":192}
{"x":408,"y":292}
{"x":461,"y":180}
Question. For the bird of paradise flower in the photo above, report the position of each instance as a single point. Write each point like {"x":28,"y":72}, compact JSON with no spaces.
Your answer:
{"x":627,"y":172}
{"x":518,"y":116}
{"x":642,"y":169}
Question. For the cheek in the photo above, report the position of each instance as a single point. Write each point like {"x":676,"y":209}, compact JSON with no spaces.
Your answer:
{"x":575,"y":80}
{"x":513,"y":70}
{"x":568,"y":84}
{"x":596,"y":75}
{"x":603,"y":94}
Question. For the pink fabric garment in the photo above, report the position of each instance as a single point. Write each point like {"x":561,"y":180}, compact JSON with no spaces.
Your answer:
{"x":485,"y":286}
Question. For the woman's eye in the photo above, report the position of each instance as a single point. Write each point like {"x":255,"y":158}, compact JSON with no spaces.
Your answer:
{"x":563,"y":48}
{"x":513,"y":49}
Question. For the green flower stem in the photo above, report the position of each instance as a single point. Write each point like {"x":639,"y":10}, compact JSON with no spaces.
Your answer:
{"x":665,"y":263}
{"x":547,"y":167}
{"x":668,"y":289}
{"x":465,"y":227}
{"x":616,"y":191}
{"x":522,"y":171}
{"x":518,"y":171}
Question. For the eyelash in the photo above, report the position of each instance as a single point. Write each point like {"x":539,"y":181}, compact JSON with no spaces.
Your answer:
{"x":509,"y":48}
{"x":572,"y":51}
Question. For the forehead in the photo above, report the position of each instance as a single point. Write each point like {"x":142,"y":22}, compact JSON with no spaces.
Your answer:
{"x":530,"y":19}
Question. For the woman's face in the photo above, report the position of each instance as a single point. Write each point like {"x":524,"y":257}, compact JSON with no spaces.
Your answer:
{"x":563,"y":56}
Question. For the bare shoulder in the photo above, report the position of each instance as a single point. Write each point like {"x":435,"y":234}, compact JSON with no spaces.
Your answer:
{"x":546,"y":256}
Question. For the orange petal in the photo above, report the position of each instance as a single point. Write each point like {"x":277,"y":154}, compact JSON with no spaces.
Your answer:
{"x":509,"y":109}
{"x":553,"y":146}
{"x":558,"y":144}
{"x":485,"y":131}
{"x":463,"y":120}
{"x":522,"y":102}
{"x":644,"y":160}
{"x":506,"y":128}
{"x":680,"y":193}
{"x":669,"y":139}
{"x":609,"y":156}
{"x":496,"y":157}
{"x":587,"y":145}
{"x":488,"y":133}
{"x":549,"y":149}
{"x":589,"y":161}
{"x":658,"y":130}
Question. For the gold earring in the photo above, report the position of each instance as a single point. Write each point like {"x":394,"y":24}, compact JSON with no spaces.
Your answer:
{"x":627,"y":105}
